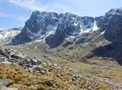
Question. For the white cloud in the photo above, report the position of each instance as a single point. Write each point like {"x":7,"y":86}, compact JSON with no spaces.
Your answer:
{"x":32,"y":5}
{"x":28,"y":4}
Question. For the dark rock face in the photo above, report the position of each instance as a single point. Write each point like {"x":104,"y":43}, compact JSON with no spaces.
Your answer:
{"x":37,"y":25}
{"x":56,"y":39}
{"x":111,"y":23}
{"x":112,"y":50}
{"x":67,"y":28}
{"x":114,"y":29}
{"x":23,"y":37}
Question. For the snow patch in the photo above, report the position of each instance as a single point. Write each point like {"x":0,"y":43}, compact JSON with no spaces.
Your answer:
{"x":75,"y":24}
{"x":91,"y":26}
{"x":7,"y":35}
{"x":102,"y":33}
{"x":38,"y":34}
{"x":95,"y":27}
{"x":85,"y":31}
{"x":41,"y":37}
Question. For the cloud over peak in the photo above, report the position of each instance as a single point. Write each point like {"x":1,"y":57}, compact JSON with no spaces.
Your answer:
{"x":32,"y":5}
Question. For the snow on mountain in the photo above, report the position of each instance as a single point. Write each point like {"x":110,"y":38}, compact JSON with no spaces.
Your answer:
{"x":7,"y":35}
{"x":102,"y":33}
{"x":42,"y":26}
{"x":95,"y":27}
{"x":37,"y":34}
{"x":117,"y":11}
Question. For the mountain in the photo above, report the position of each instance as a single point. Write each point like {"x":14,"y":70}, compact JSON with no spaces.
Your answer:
{"x":111,"y":23}
{"x":57,"y":30}
{"x":6,"y":36}
{"x":54,"y":28}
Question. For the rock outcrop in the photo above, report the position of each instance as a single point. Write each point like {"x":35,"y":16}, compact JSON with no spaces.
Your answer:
{"x":111,"y":23}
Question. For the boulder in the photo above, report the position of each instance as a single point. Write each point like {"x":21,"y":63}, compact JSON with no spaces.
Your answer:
{"x":4,"y":82}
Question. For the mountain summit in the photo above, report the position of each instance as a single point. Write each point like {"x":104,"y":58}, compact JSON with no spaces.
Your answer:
{"x":55,"y":27}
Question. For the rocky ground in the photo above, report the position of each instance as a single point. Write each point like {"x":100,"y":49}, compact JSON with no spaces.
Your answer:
{"x":20,"y":72}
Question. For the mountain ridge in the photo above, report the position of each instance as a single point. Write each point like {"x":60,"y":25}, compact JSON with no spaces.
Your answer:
{"x":49,"y":25}
{"x":41,"y":23}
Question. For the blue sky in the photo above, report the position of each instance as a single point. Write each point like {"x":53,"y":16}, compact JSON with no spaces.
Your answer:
{"x":14,"y":13}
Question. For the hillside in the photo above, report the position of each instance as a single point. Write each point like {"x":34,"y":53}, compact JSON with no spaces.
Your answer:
{"x":19,"y":72}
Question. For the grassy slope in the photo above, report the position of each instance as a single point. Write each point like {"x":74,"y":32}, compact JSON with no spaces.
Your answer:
{"x":95,"y":66}
{"x":24,"y":80}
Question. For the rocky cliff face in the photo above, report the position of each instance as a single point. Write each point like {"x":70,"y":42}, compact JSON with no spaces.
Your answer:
{"x":70,"y":27}
{"x":111,"y":23}
{"x":55,"y":27}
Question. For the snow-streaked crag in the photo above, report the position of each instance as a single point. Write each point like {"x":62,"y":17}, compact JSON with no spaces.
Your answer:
{"x":54,"y":28}
{"x":43,"y":25}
